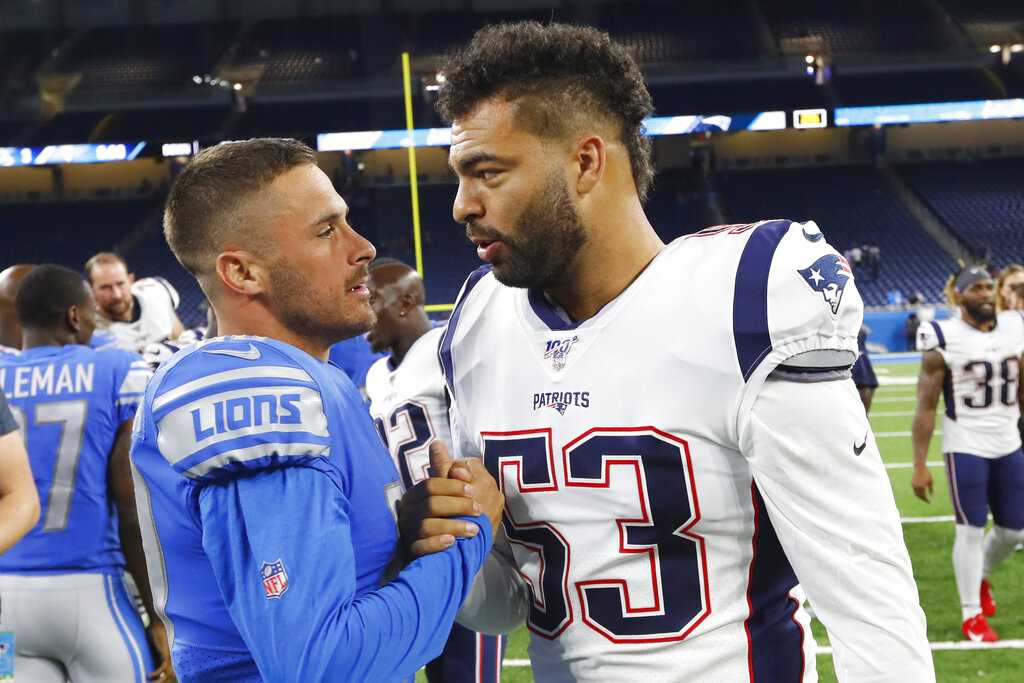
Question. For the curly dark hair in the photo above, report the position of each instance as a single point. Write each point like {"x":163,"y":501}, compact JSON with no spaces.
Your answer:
{"x":564,"y":70}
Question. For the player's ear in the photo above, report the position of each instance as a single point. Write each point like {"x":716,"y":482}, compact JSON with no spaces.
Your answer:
{"x":239,"y":272}
{"x":591,"y":158}
{"x":131,"y":279}
{"x":408,"y":302}
{"x":73,"y":318}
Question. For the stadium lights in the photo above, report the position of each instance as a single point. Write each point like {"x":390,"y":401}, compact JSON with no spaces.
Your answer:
{"x":809,"y":59}
{"x":1017,"y":47}
{"x":809,"y":70}
{"x":995,"y":49}
{"x":197,"y":79}
{"x":237,"y":86}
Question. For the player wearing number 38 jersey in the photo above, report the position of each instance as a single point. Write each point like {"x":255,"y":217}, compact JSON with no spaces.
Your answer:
{"x":974,"y":360}
{"x":673,"y":426}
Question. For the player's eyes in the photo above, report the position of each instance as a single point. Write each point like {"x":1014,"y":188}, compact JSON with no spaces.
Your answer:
{"x":328,"y":231}
{"x":487,"y":174}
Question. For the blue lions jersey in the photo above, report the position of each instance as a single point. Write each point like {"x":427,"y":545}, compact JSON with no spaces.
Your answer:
{"x":267,"y":508}
{"x":70,"y":401}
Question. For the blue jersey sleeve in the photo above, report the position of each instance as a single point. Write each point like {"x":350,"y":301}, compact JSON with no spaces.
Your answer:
{"x":231,"y":407}
{"x":131,"y":375}
{"x":7,"y":423}
{"x":290,"y":587}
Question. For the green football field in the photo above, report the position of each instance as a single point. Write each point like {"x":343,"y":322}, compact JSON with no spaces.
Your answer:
{"x":928,"y":529}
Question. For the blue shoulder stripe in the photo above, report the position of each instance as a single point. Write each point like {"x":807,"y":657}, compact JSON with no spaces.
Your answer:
{"x":750,"y":296}
{"x":938,"y":333}
{"x":445,"y":348}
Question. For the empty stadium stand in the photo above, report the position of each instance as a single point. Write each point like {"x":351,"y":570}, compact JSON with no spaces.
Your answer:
{"x":852,"y":208}
{"x":982,"y":202}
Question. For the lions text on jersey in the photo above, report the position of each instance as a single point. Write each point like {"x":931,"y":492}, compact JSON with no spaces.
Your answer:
{"x":70,"y":402}
{"x":266,"y":503}
{"x":154,"y":317}
{"x":980,"y":391}
{"x":667,"y":479}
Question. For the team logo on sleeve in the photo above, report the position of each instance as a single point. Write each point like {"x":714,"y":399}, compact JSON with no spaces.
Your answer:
{"x":275,"y":578}
{"x":828,"y":276}
{"x":557,"y":351}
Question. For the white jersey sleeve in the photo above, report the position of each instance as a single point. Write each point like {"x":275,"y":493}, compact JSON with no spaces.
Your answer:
{"x":499,"y":601}
{"x":819,"y":472}
{"x":928,"y":337}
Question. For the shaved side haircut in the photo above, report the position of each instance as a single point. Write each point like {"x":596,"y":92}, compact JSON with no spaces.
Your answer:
{"x":560,"y":78}
{"x":205,"y":203}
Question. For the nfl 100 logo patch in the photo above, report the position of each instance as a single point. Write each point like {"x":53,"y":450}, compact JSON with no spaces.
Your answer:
{"x":275,"y":578}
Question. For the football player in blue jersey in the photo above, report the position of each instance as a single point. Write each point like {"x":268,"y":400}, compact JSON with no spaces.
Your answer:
{"x":268,"y":499}
{"x":62,"y":587}
{"x":19,"y":501}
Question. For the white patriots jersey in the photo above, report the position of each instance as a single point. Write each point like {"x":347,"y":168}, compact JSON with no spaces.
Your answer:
{"x":981,"y":385}
{"x":631,"y":509}
{"x":156,"y":301}
{"x":409,"y":407}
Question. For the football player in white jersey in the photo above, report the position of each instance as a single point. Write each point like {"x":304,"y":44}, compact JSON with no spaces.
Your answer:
{"x":410,"y":410}
{"x":136,"y":312}
{"x":974,"y":361}
{"x":673,"y":427}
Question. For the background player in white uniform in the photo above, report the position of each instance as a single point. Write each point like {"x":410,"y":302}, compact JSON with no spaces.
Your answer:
{"x":974,"y":360}
{"x":673,"y":426}
{"x":409,"y":408}
{"x":136,"y":312}
{"x":62,"y":586}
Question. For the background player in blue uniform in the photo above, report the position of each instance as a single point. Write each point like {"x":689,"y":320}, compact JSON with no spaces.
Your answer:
{"x":19,"y":502}
{"x":267,"y":495}
{"x":62,"y":586}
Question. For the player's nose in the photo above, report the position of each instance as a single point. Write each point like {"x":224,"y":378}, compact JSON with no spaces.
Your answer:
{"x":467,"y":206}
{"x":360,"y":250}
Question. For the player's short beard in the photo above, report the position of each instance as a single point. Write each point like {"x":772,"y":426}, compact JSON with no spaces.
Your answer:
{"x":300,"y":310}
{"x":547,"y":237}
{"x":980,"y":312}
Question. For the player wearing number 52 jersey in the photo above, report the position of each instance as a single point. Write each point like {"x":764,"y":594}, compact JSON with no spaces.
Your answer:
{"x":62,"y":586}
{"x":974,"y":360}
{"x":409,"y":408}
{"x":673,"y":426}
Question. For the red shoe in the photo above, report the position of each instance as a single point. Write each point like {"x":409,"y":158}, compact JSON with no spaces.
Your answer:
{"x":988,"y":601}
{"x":976,"y":629}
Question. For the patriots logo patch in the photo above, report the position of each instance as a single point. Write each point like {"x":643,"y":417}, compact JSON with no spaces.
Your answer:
{"x":828,"y":276}
{"x":275,"y":578}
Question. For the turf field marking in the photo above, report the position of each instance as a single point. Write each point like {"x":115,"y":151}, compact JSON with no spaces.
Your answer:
{"x":934,"y":519}
{"x":893,"y":435}
{"x":957,"y":645}
{"x":827,"y":650}
{"x":893,"y":413}
{"x":908,"y":465}
{"x":894,"y":399}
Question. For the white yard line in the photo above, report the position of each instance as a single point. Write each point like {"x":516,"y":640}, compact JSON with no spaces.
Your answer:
{"x":908,"y":465}
{"x":934,"y":519}
{"x":827,"y":650}
{"x":892,"y":413}
{"x":894,"y":399}
{"x":893,"y":435}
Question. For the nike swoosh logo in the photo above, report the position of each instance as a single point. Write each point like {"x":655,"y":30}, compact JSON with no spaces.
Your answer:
{"x":857,"y":450}
{"x":251,"y":353}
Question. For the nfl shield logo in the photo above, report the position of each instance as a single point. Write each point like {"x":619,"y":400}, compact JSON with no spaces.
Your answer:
{"x":275,"y":578}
